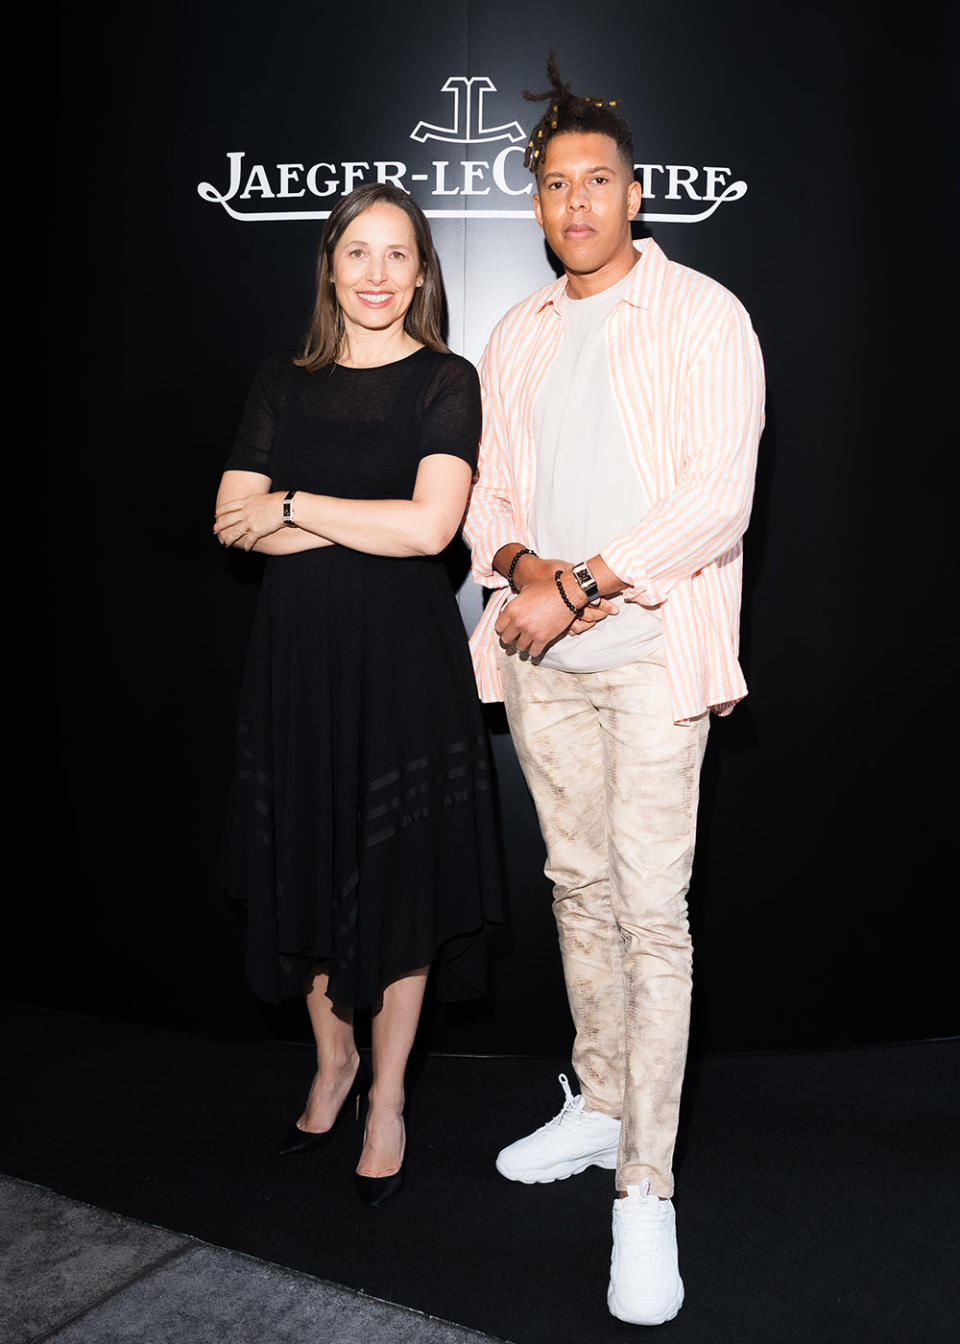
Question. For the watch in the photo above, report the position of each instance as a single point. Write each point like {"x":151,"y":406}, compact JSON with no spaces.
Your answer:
{"x":583,"y":576}
{"x":286,"y":509}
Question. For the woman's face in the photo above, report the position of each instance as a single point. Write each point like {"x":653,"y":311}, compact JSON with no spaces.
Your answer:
{"x":376,"y":268}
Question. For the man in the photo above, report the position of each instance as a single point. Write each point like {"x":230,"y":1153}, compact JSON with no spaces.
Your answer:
{"x":623,"y":405}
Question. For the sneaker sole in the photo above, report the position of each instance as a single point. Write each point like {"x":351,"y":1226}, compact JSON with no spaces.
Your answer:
{"x":607,"y":1161}
{"x":667,"y":1315}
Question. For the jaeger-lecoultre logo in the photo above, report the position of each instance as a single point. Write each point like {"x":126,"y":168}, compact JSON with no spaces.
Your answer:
{"x":468,"y":127}
{"x":500,"y":179}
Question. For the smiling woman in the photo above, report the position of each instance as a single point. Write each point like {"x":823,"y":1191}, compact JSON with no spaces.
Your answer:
{"x":376,"y":276}
{"x":374,"y":229}
{"x":364,"y":831}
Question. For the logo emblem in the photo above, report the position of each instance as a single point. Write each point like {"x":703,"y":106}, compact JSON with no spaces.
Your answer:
{"x":468,"y":128}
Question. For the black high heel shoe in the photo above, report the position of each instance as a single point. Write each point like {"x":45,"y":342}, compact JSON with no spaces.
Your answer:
{"x":376,"y":1190}
{"x":297,"y":1140}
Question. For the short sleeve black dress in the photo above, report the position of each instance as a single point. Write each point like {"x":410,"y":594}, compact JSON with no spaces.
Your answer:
{"x":364,"y":834}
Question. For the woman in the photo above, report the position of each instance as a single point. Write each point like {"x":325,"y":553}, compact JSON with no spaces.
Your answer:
{"x":367,"y":835}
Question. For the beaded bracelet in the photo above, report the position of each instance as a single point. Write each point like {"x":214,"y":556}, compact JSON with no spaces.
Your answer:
{"x":524,"y":550}
{"x":576,"y":610}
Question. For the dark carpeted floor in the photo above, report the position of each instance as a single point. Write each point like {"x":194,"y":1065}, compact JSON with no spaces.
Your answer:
{"x":817,"y":1193}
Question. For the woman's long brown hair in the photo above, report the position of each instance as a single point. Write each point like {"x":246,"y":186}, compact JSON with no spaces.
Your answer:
{"x":323,"y":343}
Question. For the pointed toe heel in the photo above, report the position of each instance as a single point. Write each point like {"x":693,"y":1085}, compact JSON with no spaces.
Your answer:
{"x":297,"y":1140}
{"x":376,"y":1190}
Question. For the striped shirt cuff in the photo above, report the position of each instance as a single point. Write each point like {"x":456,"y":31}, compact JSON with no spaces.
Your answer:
{"x":484,"y":546}
{"x":622,"y":557}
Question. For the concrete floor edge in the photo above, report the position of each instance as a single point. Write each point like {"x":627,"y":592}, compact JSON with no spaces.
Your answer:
{"x":446,"y":1332}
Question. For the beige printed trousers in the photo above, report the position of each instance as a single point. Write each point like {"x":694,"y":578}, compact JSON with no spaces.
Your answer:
{"x":616,"y":784}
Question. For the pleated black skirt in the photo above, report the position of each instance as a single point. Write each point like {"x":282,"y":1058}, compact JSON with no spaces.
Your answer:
{"x":363,"y":829}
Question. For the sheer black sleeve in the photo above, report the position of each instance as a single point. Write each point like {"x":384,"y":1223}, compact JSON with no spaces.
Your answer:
{"x":451,"y":415}
{"x":253,"y":446}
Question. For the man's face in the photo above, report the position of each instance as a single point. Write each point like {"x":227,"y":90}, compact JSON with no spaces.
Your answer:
{"x":584,"y":203}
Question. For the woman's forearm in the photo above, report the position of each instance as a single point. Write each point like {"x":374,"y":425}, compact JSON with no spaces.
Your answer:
{"x":423,"y":525}
{"x":398,"y":527}
{"x":290,"y":541}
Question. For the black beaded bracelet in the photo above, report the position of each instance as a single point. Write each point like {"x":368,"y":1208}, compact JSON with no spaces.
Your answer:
{"x":576,"y":610}
{"x":524,"y":550}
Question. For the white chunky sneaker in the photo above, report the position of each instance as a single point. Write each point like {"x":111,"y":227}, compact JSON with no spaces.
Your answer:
{"x":566,"y":1145}
{"x":645,"y":1284}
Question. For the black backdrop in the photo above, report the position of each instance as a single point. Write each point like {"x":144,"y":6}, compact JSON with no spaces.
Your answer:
{"x":823,"y":880}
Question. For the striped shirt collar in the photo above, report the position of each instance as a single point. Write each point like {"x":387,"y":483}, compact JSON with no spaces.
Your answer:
{"x":646,"y":279}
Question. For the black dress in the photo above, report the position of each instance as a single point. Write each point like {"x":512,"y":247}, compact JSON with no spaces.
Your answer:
{"x":364,"y":834}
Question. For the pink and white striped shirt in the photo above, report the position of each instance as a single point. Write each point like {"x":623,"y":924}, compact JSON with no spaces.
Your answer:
{"x":687,"y":375}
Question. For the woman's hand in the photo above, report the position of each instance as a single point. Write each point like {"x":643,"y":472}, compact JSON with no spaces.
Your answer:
{"x":242,"y":522}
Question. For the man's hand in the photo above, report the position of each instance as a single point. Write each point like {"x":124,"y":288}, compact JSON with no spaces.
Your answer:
{"x":532,"y":569}
{"x":539,"y":615}
{"x":588,"y":618}
{"x":242,"y":522}
{"x":535,"y":618}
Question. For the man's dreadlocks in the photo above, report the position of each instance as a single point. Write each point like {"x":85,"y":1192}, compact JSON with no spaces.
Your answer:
{"x":568,"y":112}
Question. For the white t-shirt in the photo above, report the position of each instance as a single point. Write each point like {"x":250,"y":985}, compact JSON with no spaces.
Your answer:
{"x":587,"y":489}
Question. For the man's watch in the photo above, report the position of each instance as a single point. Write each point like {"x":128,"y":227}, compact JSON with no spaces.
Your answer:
{"x":583,"y":576}
{"x":286,"y":509}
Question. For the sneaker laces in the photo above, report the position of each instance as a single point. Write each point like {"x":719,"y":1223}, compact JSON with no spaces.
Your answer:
{"x":642,"y":1219}
{"x":571,"y":1110}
